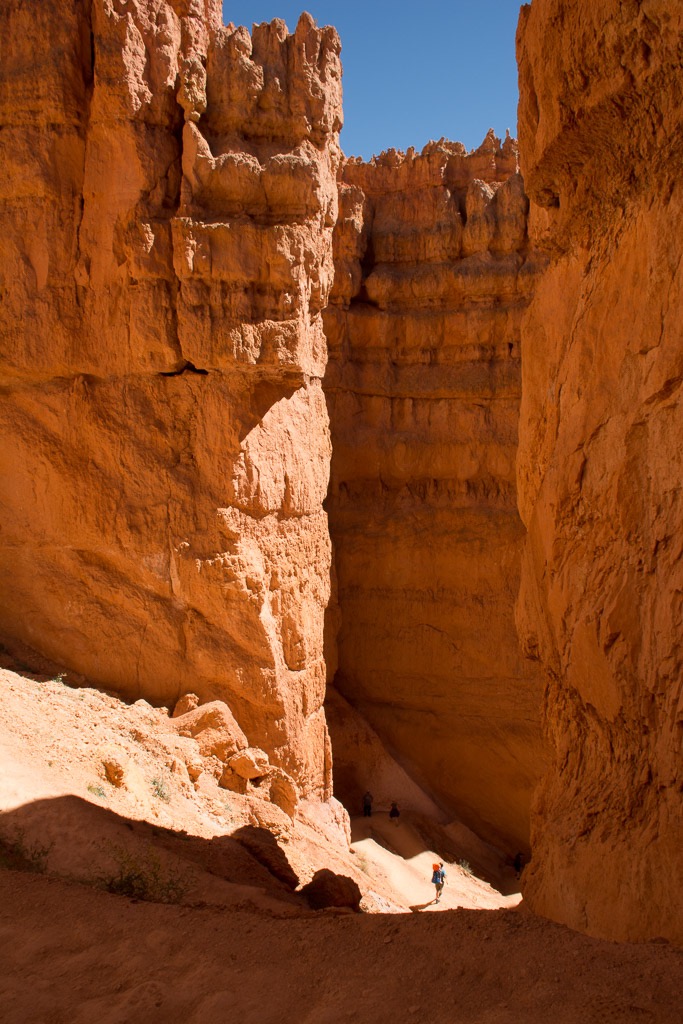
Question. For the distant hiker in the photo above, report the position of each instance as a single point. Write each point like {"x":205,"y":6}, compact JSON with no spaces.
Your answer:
{"x":438,"y":879}
{"x":517,"y":863}
{"x":394,"y":813}
{"x":367,"y":804}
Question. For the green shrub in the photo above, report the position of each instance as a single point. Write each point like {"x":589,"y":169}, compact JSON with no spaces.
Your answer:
{"x":362,"y":861}
{"x":160,"y":791}
{"x":142,"y":877}
{"x":17,"y":854}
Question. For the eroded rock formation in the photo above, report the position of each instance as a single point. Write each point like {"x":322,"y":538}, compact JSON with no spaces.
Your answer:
{"x":432,"y":276}
{"x":166,"y":211}
{"x":167,"y":204}
{"x":601,"y":456}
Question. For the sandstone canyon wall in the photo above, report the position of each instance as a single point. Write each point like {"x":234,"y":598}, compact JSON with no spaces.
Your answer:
{"x":166,"y":256}
{"x":601,"y":457}
{"x":423,"y":387}
{"x":167,"y":203}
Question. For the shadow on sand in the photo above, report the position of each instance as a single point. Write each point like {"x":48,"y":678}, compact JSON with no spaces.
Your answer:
{"x":422,"y":906}
{"x":73,"y":839}
{"x":418,"y":834}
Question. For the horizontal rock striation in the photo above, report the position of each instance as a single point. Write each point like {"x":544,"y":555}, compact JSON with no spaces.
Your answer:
{"x":601,"y":457}
{"x":167,"y":205}
{"x":432,"y":277}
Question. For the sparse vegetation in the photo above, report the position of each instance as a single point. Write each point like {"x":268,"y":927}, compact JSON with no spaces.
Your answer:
{"x":362,"y":860}
{"x":465,"y":865}
{"x":142,"y":877}
{"x":97,"y":791}
{"x":18,"y":854}
{"x":159,"y":789}
{"x":60,"y":678}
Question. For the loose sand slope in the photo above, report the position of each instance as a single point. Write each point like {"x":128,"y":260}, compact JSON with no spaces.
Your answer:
{"x":396,"y":858}
{"x":75,"y":956}
{"x":242,"y":943}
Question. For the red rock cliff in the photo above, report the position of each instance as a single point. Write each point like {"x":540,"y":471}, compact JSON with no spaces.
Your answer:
{"x":601,"y":456}
{"x":432,"y":276}
{"x":167,"y":203}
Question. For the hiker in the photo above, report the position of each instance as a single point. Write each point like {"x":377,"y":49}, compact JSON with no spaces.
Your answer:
{"x":367,"y":804}
{"x":394,"y":813}
{"x":438,"y":879}
{"x":517,"y":863}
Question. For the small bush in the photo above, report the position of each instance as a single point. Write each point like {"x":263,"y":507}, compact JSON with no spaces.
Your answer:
{"x":465,"y":865}
{"x":362,"y":861}
{"x":142,"y":877}
{"x":97,"y":791}
{"x":160,"y":791}
{"x":16,"y":854}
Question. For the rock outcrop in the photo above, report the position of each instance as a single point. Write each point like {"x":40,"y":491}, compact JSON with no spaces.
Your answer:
{"x":167,"y":203}
{"x":327,"y":889}
{"x":167,"y":207}
{"x":601,"y":457}
{"x":423,"y":387}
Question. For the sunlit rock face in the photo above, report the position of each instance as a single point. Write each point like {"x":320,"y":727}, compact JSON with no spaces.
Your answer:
{"x":601,"y":457}
{"x":423,"y":386}
{"x":167,"y":205}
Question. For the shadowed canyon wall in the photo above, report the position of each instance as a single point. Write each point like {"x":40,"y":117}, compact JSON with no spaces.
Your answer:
{"x":601,"y":457}
{"x":423,"y":387}
{"x":167,"y":207}
{"x":166,"y":254}
{"x":167,"y":201}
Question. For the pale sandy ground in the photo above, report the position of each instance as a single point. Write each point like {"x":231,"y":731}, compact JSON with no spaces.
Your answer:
{"x":241,"y":945}
{"x":394,"y":857}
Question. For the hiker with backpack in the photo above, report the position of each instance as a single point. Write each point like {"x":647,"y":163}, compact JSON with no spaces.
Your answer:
{"x":438,"y":879}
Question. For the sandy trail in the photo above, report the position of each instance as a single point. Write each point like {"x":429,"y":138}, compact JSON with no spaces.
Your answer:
{"x":241,"y":945}
{"x":72,"y":955}
{"x":396,"y":857}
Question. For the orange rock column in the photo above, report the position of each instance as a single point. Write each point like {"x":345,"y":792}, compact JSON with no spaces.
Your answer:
{"x":601,"y":458}
{"x":169,"y":198}
{"x":432,"y":276}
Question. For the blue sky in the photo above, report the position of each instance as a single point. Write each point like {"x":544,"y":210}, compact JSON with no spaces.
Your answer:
{"x":413,"y":71}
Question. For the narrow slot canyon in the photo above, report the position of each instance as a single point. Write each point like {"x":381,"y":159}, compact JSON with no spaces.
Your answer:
{"x":340,"y":530}
{"x":432,"y":275}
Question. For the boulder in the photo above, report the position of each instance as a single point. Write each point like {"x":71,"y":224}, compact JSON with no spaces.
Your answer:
{"x":188,"y":702}
{"x":233,"y":782}
{"x":114,"y":766}
{"x":249,"y":763}
{"x":215,"y":729}
{"x":282,"y":791}
{"x":327,"y":889}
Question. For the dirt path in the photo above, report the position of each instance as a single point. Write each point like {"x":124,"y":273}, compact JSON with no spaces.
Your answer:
{"x":75,"y":956}
{"x":396,"y":857}
{"x":241,"y":945}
